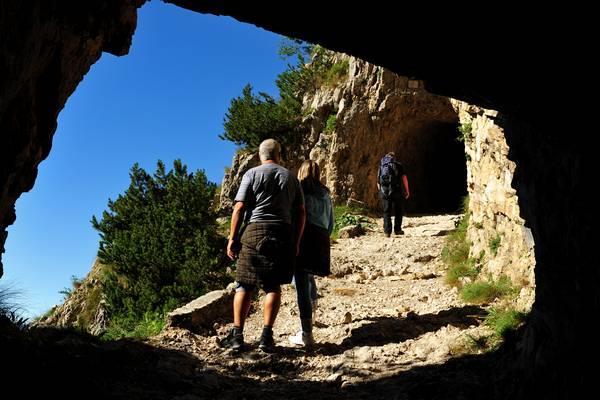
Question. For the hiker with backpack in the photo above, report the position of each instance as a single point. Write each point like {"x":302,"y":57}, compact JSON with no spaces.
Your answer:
{"x":392,"y":184}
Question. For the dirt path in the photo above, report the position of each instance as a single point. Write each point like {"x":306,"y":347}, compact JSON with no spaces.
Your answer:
{"x":384,"y":310}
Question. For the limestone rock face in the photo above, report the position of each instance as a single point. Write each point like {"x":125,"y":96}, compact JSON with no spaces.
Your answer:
{"x":496,"y":228}
{"x":85,"y":308}
{"x":376,"y":111}
{"x":242,"y":162}
{"x":351,"y":124}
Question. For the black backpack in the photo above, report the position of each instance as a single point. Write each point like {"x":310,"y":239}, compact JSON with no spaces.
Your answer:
{"x":388,"y":175}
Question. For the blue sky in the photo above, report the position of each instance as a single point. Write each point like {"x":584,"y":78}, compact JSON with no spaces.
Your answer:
{"x":165,"y":100}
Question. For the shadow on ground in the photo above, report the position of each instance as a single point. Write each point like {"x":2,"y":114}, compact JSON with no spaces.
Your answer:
{"x":383,"y":330}
{"x":67,"y":364}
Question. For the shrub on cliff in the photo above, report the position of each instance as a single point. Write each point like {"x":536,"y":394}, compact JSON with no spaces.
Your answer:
{"x":252,"y":118}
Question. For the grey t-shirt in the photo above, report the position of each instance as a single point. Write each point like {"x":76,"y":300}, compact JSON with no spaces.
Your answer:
{"x":270,"y":193}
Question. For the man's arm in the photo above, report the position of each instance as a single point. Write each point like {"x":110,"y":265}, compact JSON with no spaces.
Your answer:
{"x":406,"y":190}
{"x":236,"y":222}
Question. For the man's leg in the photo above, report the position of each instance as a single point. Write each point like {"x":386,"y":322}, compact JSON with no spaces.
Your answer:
{"x":398,"y":216}
{"x":241,"y":305}
{"x":272,"y":303}
{"x":271,"y":308}
{"x":387,"y":216}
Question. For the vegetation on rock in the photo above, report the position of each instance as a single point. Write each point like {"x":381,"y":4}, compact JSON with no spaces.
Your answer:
{"x":160,"y":245}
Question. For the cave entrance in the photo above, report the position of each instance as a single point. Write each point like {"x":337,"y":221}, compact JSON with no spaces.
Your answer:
{"x":421,"y":128}
{"x":436,"y":167}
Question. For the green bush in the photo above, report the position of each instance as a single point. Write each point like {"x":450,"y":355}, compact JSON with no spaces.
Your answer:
{"x":11,"y":320}
{"x":340,"y":210}
{"x":150,"y":324}
{"x":67,"y":291}
{"x":346,"y":216}
{"x":466,"y":269}
{"x":495,"y":244}
{"x":92,"y":301}
{"x":455,"y":253}
{"x":465,"y":130}
{"x":331,"y":123}
{"x":486,"y":291}
{"x":336,"y":73}
{"x":502,"y":321}
{"x":159,"y":244}
{"x":252,"y":118}
{"x":347,"y":220}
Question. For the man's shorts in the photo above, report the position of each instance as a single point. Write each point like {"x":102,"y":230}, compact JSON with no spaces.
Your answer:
{"x":248,"y":288}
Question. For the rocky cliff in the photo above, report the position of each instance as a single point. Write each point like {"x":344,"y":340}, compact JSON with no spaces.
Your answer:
{"x":84,"y":308}
{"x":497,"y":232}
{"x":351,"y":124}
{"x":242,"y":162}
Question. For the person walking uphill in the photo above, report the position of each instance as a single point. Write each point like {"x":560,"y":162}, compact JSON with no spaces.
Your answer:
{"x":271,"y":198}
{"x":391,"y":180}
{"x":314,"y":257}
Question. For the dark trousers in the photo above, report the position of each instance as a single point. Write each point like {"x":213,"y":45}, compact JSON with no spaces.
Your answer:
{"x":392,"y":206}
{"x":306,"y":291}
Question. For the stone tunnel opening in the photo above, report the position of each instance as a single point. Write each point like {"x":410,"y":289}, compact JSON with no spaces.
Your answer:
{"x":436,"y":167}
{"x":422,"y":130}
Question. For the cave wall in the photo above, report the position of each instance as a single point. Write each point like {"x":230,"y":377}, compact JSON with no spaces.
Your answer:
{"x":47,"y":47}
{"x":492,"y":61}
{"x":556,"y":345}
{"x":500,"y":238}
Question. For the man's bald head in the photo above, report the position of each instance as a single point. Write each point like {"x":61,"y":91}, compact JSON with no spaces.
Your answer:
{"x":269,"y":149}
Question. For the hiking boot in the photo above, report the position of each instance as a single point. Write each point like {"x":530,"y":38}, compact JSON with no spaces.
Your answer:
{"x":302,"y":339}
{"x":388,"y":234}
{"x":267,"y":343}
{"x":234,"y":340}
{"x":400,"y":232}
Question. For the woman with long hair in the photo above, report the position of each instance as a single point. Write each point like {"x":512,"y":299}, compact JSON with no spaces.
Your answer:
{"x":314,"y":256}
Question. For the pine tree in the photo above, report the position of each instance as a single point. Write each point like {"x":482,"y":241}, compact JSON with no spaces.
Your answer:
{"x":159,"y":242}
{"x":252,"y":119}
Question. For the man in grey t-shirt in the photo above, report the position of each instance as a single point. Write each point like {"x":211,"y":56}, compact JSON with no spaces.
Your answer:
{"x":269,"y":192}
{"x":272,"y":199}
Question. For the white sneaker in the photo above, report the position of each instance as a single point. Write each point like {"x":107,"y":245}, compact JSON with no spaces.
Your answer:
{"x":302,"y":339}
